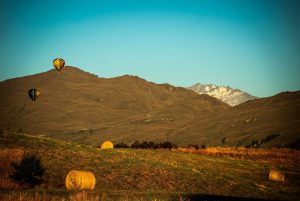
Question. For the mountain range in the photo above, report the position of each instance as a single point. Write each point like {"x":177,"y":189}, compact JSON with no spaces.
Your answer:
{"x":78,"y":106}
{"x":226,"y":94}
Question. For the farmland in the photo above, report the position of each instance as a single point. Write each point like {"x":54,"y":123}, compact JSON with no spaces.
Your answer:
{"x":136,"y":174}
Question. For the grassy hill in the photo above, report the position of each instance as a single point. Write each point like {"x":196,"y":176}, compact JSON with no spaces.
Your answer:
{"x":81,"y":107}
{"x":73,"y":101}
{"x":162,"y":174}
{"x":252,"y":121}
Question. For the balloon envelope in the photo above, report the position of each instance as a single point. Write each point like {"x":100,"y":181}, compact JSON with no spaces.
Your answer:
{"x":58,"y":63}
{"x":33,"y":94}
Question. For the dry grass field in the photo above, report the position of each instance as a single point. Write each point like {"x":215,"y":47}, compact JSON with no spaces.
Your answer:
{"x":136,"y":174}
{"x":276,"y":155}
{"x":7,"y":156}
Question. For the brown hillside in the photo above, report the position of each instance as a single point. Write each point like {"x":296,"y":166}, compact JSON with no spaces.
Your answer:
{"x":79,"y":106}
{"x":254,"y":121}
{"x":75,"y":100}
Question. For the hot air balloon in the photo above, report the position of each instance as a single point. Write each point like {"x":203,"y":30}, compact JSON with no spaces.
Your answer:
{"x":33,"y":94}
{"x":58,"y":63}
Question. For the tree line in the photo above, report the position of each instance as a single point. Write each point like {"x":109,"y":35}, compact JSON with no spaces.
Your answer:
{"x":152,"y":145}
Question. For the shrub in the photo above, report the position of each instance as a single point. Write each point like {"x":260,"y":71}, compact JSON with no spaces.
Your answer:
{"x":136,"y":145}
{"x":144,"y":145}
{"x":167,"y":145}
{"x":148,"y":145}
{"x":257,"y":143}
{"x":193,"y":146}
{"x":152,"y":145}
{"x":7,"y":156}
{"x":203,"y":146}
{"x":121,"y":145}
{"x":295,"y":144}
{"x":223,"y":140}
{"x":29,"y":171}
{"x":270,"y":137}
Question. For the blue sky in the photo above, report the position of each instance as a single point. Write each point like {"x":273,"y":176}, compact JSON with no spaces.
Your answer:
{"x":251,"y":45}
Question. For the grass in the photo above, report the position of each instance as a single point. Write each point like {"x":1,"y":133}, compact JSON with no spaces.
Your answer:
{"x":276,"y":155}
{"x":74,"y":196}
{"x":7,"y":156}
{"x":58,"y":195}
{"x":161,"y":174}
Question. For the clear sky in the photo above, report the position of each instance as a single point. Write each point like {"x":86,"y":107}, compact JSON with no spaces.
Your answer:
{"x":251,"y":45}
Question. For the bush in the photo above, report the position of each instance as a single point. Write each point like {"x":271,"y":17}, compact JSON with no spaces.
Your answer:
{"x":193,"y":146}
{"x":203,"y":146}
{"x":270,"y":137}
{"x":152,"y":145}
{"x":148,"y":145}
{"x":121,"y":145}
{"x":29,"y":171}
{"x":136,"y":145}
{"x":167,"y":145}
{"x":223,"y":140}
{"x":257,"y":143}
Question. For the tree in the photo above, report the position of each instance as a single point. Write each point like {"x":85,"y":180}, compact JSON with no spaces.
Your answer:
{"x":29,"y":171}
{"x":121,"y":145}
{"x":167,"y":145}
{"x":136,"y":145}
{"x":194,"y":146}
{"x":223,"y":140}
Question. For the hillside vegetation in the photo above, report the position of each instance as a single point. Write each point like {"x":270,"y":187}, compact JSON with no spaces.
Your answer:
{"x":155,"y":173}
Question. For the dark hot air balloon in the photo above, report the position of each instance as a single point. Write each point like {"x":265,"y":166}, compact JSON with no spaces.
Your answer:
{"x":58,"y":63}
{"x":33,"y":94}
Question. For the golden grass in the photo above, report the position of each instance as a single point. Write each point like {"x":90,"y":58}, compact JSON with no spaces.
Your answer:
{"x":280,"y":155}
{"x":84,"y":196}
{"x":23,"y":196}
{"x":7,"y":156}
{"x":79,"y":180}
{"x":75,"y":196}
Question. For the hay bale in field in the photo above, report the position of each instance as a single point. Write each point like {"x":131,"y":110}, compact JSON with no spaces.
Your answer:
{"x":79,"y":180}
{"x":276,"y":175}
{"x":107,"y":145}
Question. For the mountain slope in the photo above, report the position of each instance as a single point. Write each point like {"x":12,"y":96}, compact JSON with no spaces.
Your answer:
{"x":77,"y":106}
{"x":226,"y":94}
{"x":75,"y":100}
{"x":276,"y":118}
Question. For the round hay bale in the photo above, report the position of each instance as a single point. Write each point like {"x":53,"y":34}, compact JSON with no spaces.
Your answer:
{"x":107,"y":145}
{"x":276,"y":175}
{"x":79,"y":180}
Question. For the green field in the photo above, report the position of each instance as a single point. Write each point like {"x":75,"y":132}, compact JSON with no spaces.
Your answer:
{"x":154,"y":174}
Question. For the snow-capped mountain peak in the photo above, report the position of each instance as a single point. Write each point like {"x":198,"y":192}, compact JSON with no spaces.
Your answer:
{"x":230,"y":96}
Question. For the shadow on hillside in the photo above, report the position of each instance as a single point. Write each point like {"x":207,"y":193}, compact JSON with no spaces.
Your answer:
{"x":202,"y":197}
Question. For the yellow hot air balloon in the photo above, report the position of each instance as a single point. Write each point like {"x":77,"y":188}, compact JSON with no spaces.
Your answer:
{"x":58,"y":63}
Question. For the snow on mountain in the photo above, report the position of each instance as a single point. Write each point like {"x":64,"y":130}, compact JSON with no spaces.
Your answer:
{"x":226,"y":94}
